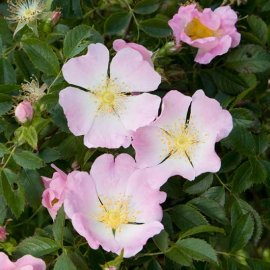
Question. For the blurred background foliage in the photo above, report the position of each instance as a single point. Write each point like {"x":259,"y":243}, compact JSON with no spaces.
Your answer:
{"x":219,"y":221}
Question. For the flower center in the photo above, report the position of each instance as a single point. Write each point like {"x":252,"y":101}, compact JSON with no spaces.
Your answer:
{"x":28,"y":13}
{"x":115,"y":213}
{"x":195,"y":30}
{"x":109,"y":96}
{"x":181,"y":140}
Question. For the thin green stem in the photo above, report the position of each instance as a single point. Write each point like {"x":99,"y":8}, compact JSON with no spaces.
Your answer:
{"x":54,"y":81}
{"x":9,"y":157}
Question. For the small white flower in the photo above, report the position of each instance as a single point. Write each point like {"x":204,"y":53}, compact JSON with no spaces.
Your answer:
{"x":33,"y":91}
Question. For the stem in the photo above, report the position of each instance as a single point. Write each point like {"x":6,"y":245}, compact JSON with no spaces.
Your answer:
{"x":134,"y":18}
{"x":9,"y":157}
{"x":54,"y":81}
{"x":150,"y":254}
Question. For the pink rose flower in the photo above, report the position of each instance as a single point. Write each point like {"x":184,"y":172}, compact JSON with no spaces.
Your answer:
{"x":177,"y":146}
{"x":27,"y":262}
{"x":54,"y":193}
{"x":212,"y":32}
{"x":106,"y":113}
{"x":24,"y":111}
{"x":120,"y":44}
{"x":3,"y":234}
{"x":112,"y":206}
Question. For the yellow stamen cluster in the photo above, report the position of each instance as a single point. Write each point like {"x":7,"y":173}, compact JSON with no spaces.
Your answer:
{"x":180,"y":140}
{"x":25,"y":11}
{"x":195,"y":30}
{"x":32,"y":91}
{"x":115,"y":212}
{"x":109,"y":96}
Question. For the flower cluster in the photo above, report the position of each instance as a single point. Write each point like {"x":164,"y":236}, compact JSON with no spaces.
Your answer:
{"x":117,"y":204}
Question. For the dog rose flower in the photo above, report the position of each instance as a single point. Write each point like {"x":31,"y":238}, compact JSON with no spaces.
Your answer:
{"x":106,"y":113}
{"x":177,"y":146}
{"x":54,"y":193}
{"x":212,"y":32}
{"x":24,"y":111}
{"x":120,"y":44}
{"x":27,"y":262}
{"x":113,"y":206}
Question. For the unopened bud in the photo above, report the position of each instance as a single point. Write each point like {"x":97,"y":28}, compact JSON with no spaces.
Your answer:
{"x":24,"y":111}
{"x":3,"y":234}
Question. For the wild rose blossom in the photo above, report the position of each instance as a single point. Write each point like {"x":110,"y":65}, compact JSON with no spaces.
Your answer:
{"x":175,"y":146}
{"x":120,"y":44}
{"x":212,"y":32}
{"x":106,"y":113}
{"x":27,"y":262}
{"x":24,"y":111}
{"x":54,"y":193}
{"x":112,"y":206}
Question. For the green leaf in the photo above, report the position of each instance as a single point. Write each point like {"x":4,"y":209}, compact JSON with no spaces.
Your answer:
{"x":49,"y":155}
{"x":27,"y":160}
{"x":64,"y":263}
{"x":256,"y":264}
{"x":230,"y":161}
{"x":78,"y":38}
{"x":3,"y":210}
{"x":258,"y":27}
{"x":241,"y":232}
{"x":199,"y":185}
{"x":248,"y":59}
{"x":198,"y":249}
{"x":36,"y":246}
{"x":117,"y":23}
{"x":7,"y":72}
{"x":30,"y":136}
{"x":42,"y":56}
{"x":239,"y":208}
{"x":156,"y":27}
{"x":201,"y":229}
{"x":249,"y":173}
{"x":13,"y":192}
{"x":186,"y":217}
{"x":30,"y":180}
{"x":58,"y":227}
{"x":242,"y":117}
{"x":210,"y":208}
{"x":153,"y":265}
{"x":144,"y":7}
{"x":3,"y":150}
{"x":215,"y":193}
{"x":162,"y":240}
{"x":177,"y":255}
{"x":241,"y":140}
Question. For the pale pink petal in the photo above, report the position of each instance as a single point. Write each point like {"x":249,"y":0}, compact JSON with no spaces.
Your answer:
{"x":206,"y":53}
{"x":80,"y":108}
{"x":181,"y":19}
{"x":132,"y":238}
{"x":59,"y":172}
{"x":88,"y":71}
{"x":149,"y":146}
{"x":132,"y":72}
{"x":174,"y":110}
{"x":107,"y":131}
{"x":208,"y":116}
{"x":81,"y":196}
{"x":111,"y":174}
{"x":142,"y":196}
{"x":209,"y":19}
{"x":28,"y":260}
{"x":204,"y":158}
{"x":139,"y":110}
{"x":5,"y":262}
{"x":120,"y":44}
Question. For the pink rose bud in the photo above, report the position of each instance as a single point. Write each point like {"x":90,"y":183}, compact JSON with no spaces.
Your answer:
{"x":3,"y":234}
{"x":24,"y":111}
{"x":120,"y":44}
{"x":56,"y":15}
